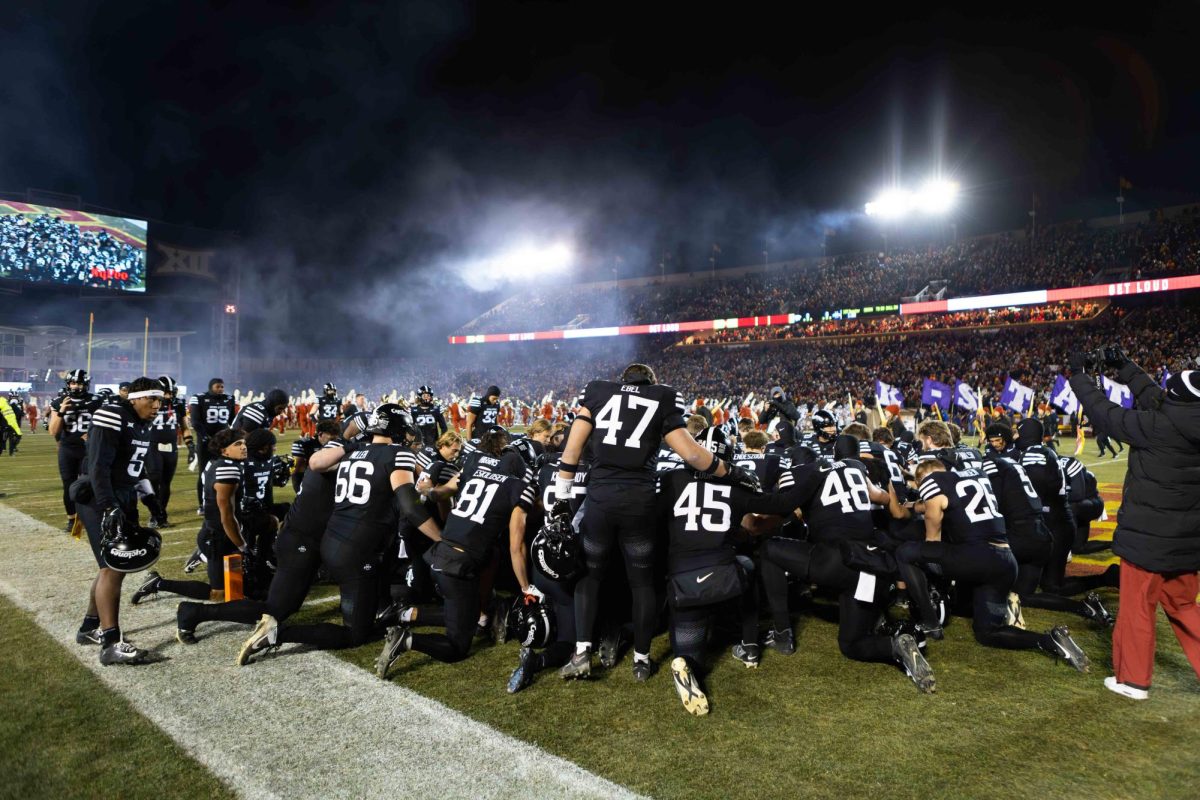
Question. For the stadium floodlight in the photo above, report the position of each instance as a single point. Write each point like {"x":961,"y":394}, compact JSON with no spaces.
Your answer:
{"x":891,"y":204}
{"x":935,"y":197}
{"x":532,"y":260}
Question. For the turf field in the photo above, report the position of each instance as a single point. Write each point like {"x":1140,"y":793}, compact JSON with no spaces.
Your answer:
{"x":1002,"y":723}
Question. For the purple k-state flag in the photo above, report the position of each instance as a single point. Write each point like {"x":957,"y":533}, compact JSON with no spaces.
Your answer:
{"x":1117,"y":392}
{"x":935,"y":393}
{"x":1016,"y":396}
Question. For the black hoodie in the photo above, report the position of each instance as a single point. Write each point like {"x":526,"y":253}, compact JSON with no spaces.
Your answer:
{"x":1158,"y":526}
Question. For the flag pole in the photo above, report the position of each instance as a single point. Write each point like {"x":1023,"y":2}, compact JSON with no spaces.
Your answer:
{"x":145,"y":345}
{"x":91,"y":322}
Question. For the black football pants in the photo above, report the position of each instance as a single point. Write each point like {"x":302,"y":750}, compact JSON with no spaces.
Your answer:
{"x":461,"y":615}
{"x":604,"y":527}
{"x":354,"y":563}
{"x":70,"y":465}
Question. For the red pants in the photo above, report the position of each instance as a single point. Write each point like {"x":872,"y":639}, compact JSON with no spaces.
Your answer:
{"x":1133,"y":638}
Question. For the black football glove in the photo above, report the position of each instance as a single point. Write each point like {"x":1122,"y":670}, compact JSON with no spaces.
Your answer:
{"x":111,"y":524}
{"x":1115,"y":358}
{"x":745,"y":478}
{"x":561,"y":509}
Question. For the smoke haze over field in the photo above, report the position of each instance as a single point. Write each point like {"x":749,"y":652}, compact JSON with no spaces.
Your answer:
{"x":375,"y":159}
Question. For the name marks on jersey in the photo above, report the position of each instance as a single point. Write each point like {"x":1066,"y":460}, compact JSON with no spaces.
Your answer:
{"x":631,"y":388}
{"x":359,"y":455}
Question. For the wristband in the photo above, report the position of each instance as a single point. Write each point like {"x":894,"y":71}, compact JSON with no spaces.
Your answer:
{"x":711,"y":469}
{"x":570,"y":469}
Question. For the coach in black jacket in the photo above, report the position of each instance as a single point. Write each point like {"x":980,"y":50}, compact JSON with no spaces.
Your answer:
{"x":1158,"y":526}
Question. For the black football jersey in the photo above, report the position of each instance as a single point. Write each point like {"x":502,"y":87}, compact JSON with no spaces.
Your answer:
{"x":164,"y":428}
{"x":117,"y":444}
{"x":968,"y":456}
{"x":835,"y":498}
{"x":629,"y":421}
{"x":429,"y":421}
{"x":252,"y":417}
{"x":328,"y":408}
{"x":767,"y":466}
{"x":360,"y":419}
{"x":1047,"y":475}
{"x":972,"y":513}
{"x":305,"y":446}
{"x":895,"y":470}
{"x":76,"y":413}
{"x":257,"y":478}
{"x":485,"y":414}
{"x":221,"y":470}
{"x":667,"y":459}
{"x":362,"y":495}
{"x":1076,"y":478}
{"x":487,"y":493}
{"x":210,"y":413}
{"x":703,"y":513}
{"x":310,"y":511}
{"x":1015,"y":495}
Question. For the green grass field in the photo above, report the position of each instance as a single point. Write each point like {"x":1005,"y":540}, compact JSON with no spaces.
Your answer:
{"x":1002,"y":724}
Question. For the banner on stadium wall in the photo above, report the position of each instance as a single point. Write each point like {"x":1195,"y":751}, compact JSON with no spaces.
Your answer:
{"x":1038,"y":297}
{"x":888,"y":395}
{"x":1118,"y":393}
{"x":935,"y":393}
{"x":1016,"y":396}
{"x":1063,"y":398}
{"x":965,"y":397}
{"x":1041,"y":296}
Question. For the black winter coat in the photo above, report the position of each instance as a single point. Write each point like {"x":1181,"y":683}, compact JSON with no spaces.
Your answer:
{"x":1158,"y":526}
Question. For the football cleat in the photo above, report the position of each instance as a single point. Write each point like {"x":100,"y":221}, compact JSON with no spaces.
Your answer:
{"x":194,"y":561}
{"x":694,"y":700}
{"x":1125,"y":690}
{"x":121,"y":652}
{"x":70,"y":523}
{"x":748,"y":654}
{"x":1067,"y":649}
{"x":395,"y":644}
{"x":149,"y":588}
{"x":642,"y":670}
{"x":265,"y":636}
{"x":153,"y":524}
{"x":87,"y":637}
{"x":499,"y":621}
{"x":185,"y":623}
{"x":1095,"y":610}
{"x":522,"y":676}
{"x":392,"y":615}
{"x":782,"y":642}
{"x":610,"y":646}
{"x":580,"y":666}
{"x":908,"y":654}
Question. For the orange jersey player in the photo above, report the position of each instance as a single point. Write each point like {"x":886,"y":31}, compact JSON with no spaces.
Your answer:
{"x":548,"y":411}
{"x":31,"y":411}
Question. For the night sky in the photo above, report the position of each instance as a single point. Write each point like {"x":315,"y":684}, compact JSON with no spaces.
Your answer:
{"x":399,"y":141}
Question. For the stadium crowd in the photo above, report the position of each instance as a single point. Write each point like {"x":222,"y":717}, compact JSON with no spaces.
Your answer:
{"x":1065,"y":255}
{"x":45,"y":248}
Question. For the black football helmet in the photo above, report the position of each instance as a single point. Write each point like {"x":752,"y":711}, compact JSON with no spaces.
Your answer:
{"x":532,"y":624}
{"x":527,"y":449}
{"x":556,"y":551}
{"x":127,"y":547}
{"x":822,"y":421}
{"x":107,"y":395}
{"x":424,"y":389}
{"x":250,"y":504}
{"x":391,"y":420}
{"x":168,"y":384}
{"x":81,"y":377}
{"x":330,"y":390}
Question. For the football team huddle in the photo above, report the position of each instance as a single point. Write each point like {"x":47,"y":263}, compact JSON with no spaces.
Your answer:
{"x":582,"y":538}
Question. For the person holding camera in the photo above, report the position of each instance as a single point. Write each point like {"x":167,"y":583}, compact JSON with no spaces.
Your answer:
{"x":1158,"y":527}
{"x":117,"y":443}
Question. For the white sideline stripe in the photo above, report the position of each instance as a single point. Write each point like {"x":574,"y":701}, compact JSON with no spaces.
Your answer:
{"x":1116,"y":460}
{"x":319,"y":727}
